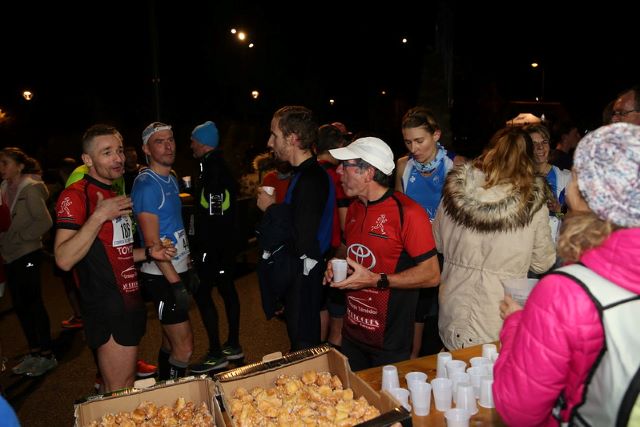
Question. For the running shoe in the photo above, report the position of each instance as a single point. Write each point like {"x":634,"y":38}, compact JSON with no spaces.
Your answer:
{"x":73,"y":323}
{"x":145,"y":369}
{"x":25,"y":365}
{"x":210,"y":363}
{"x":232,"y":353}
{"x":42,"y":366}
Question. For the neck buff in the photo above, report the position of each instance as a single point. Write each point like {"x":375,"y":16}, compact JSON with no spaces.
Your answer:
{"x":433,"y":164}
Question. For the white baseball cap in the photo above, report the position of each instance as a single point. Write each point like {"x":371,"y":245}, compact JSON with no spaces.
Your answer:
{"x":372,"y":150}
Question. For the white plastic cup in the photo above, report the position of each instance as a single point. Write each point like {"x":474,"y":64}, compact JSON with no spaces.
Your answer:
{"x":519,"y":289}
{"x":402,"y":396}
{"x":442,"y":391}
{"x":486,"y":393}
{"x":479,"y":360}
{"x":415,"y":378}
{"x":457,"y":417}
{"x":390,"y":377}
{"x":186,"y":180}
{"x":488,"y":370}
{"x":268,"y":189}
{"x":443,"y":358}
{"x":421,"y":398}
{"x":339,"y":269}
{"x":459,"y":378}
{"x":466,"y":399}
{"x":455,"y":366}
{"x":488,"y":350}
{"x":475,"y":376}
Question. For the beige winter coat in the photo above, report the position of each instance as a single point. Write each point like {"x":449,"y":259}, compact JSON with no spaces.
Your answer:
{"x":30,"y":219}
{"x":486,"y":235}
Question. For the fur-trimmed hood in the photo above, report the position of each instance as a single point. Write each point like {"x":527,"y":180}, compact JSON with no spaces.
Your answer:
{"x":498,"y":208}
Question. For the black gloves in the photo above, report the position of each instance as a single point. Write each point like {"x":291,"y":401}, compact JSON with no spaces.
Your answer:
{"x":180,"y":296}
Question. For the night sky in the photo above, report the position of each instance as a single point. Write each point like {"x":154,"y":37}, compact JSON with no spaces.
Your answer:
{"x":86,"y":65}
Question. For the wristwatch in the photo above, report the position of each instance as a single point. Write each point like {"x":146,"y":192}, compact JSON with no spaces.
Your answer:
{"x":147,"y":254}
{"x":383,"y":282}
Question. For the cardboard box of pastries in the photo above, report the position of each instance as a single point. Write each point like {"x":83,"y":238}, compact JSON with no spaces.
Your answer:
{"x":319,"y":359}
{"x":196,"y":390}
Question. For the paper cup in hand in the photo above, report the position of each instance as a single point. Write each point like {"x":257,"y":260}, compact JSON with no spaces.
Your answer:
{"x":339,"y":269}
{"x":519,"y":289}
{"x":268,"y":189}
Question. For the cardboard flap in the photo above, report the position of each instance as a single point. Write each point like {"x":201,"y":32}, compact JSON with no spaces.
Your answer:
{"x":272,"y":356}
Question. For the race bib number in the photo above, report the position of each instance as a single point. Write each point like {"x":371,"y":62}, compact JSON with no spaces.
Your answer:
{"x":182,"y":244}
{"x":122,"y":231}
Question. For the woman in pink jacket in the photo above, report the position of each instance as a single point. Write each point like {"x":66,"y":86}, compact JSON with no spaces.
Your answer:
{"x":550,"y":348}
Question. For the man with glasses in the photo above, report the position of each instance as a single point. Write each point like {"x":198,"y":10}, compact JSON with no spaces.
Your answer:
{"x":389,"y":246}
{"x":307,"y":213}
{"x":626,"y":107}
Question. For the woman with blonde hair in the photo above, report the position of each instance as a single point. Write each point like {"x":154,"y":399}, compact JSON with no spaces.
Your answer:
{"x":492,"y":225}
{"x":573,"y":354}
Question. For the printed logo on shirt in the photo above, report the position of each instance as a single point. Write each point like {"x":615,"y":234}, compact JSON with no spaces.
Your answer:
{"x":362,"y":311}
{"x":362,"y":255}
{"x":378,"y":229}
{"x":64,"y":212}
{"x":129,"y":273}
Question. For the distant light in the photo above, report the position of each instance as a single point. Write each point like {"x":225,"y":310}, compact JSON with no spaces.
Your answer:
{"x":233,"y":31}
{"x":255,"y":94}
{"x":27,"y":95}
{"x":332,"y":101}
{"x":404,"y":40}
{"x":242,"y":36}
{"x":251,"y":45}
{"x":534,"y":65}
{"x":537,"y":99}
{"x":384,"y":92}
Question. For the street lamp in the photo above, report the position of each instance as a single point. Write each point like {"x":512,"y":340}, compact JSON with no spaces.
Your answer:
{"x":28,"y":95}
{"x":537,"y":65}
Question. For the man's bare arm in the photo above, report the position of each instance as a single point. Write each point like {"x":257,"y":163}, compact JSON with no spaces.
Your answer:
{"x":150,"y":227}
{"x":71,"y":246}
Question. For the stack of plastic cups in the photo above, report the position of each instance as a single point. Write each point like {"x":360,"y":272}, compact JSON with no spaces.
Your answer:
{"x":443,"y":358}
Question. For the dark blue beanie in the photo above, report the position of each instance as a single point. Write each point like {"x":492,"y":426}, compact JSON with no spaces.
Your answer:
{"x":206,"y":133}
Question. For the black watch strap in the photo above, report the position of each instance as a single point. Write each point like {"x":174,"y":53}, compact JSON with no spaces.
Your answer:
{"x":147,"y":254}
{"x":383,"y":282}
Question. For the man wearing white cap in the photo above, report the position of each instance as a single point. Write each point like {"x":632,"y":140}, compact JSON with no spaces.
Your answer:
{"x":391,"y":253}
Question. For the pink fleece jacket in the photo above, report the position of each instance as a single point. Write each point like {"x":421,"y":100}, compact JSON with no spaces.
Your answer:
{"x":552,"y":344}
